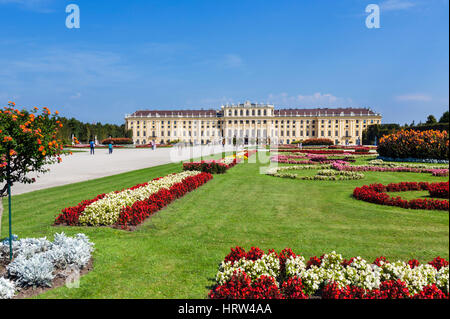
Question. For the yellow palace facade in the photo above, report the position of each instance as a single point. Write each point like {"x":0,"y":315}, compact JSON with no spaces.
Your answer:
{"x":250,"y":123}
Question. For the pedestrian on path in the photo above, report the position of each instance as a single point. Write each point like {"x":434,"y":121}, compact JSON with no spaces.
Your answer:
{"x":92,"y":147}
{"x":110,"y":147}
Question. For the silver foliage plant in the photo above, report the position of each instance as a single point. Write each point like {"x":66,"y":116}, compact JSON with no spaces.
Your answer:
{"x":7,"y":288}
{"x":36,"y":259}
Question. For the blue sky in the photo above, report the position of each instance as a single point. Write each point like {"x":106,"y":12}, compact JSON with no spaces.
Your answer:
{"x":168,"y":54}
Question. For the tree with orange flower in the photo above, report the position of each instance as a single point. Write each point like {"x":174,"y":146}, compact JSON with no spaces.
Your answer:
{"x":28,"y":142}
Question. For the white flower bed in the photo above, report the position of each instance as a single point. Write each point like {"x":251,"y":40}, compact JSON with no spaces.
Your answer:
{"x":36,"y":260}
{"x":324,"y":173}
{"x":267,"y":265}
{"x":106,"y":211}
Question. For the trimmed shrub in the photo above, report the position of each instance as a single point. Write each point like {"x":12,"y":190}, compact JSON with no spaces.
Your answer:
{"x":317,"y":141}
{"x":117,"y":140}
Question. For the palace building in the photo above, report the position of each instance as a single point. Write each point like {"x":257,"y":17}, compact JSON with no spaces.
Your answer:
{"x":250,"y":123}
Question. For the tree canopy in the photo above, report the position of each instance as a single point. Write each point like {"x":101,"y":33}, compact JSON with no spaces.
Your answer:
{"x":28,"y":142}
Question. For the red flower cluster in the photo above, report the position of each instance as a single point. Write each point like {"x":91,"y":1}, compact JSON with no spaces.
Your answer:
{"x":376,"y":193}
{"x":240,"y":286}
{"x":392,"y":289}
{"x":69,"y":216}
{"x":439,"y":190}
{"x":139,"y":211}
{"x":438,"y":262}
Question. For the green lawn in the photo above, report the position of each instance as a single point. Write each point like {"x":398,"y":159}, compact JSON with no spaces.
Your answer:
{"x":175,"y":254}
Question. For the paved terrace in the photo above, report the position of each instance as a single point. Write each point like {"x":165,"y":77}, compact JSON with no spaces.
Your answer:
{"x":82,"y":166}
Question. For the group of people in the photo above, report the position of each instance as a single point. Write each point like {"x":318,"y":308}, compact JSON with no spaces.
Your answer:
{"x":111,"y":146}
{"x":92,"y":144}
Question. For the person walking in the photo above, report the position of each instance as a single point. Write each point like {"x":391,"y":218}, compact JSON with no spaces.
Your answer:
{"x":154,"y":145}
{"x":92,"y":144}
{"x":110,"y":147}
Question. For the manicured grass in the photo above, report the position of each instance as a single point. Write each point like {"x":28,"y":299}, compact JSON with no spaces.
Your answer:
{"x":175,"y":254}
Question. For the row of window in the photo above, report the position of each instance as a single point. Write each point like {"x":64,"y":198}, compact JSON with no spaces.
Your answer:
{"x":248,"y":113}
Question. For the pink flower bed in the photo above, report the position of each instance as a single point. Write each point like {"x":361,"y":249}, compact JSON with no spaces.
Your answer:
{"x":364,"y":168}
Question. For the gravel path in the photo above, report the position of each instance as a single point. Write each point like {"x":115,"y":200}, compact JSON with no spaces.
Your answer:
{"x":83,"y":166}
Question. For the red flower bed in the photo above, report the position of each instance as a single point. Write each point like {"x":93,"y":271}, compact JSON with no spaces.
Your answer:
{"x":214,"y":167}
{"x":362,"y":150}
{"x":376,"y":193}
{"x":135,"y":214}
{"x":211,"y":167}
{"x":241,"y":286}
{"x":139,"y":211}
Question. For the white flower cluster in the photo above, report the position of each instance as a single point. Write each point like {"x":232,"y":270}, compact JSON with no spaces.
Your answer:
{"x":106,"y":211}
{"x":442,"y":279}
{"x":36,"y":259}
{"x":359,"y":273}
{"x":415,"y":278}
{"x":268,"y":265}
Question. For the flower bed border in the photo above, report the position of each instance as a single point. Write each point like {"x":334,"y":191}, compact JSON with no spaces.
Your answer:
{"x":259,"y":275}
{"x":139,"y":210}
{"x":376,"y":193}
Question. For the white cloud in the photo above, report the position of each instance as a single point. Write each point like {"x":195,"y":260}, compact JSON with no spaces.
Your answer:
{"x":75,"y":96}
{"x":415,"y":97}
{"x":232,"y":61}
{"x":226,"y":61}
{"x":315,"y":100}
{"x":392,"y":5}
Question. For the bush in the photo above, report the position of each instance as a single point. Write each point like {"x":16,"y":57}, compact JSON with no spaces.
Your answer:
{"x":413,"y":144}
{"x":206,"y":167}
{"x":318,"y":141}
{"x":362,"y":150}
{"x":37,"y":259}
{"x":117,"y":141}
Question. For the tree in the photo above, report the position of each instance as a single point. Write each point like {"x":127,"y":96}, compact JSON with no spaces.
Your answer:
{"x":444,"y":118}
{"x":28,"y":142}
{"x":431,"y":120}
